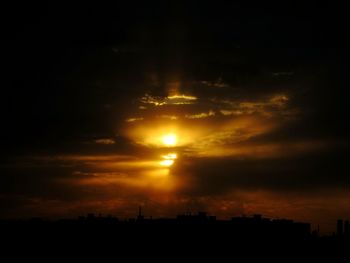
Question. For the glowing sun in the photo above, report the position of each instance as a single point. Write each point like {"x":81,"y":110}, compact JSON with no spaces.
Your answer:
{"x":169,"y":140}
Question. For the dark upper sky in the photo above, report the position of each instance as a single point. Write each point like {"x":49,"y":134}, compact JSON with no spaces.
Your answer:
{"x":252,"y":101}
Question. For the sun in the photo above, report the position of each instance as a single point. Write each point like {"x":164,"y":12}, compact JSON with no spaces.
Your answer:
{"x":169,"y":140}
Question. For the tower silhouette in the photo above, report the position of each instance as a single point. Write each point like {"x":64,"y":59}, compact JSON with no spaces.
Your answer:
{"x":140,"y":217}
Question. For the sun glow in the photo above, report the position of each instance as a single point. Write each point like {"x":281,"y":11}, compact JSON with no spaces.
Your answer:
{"x":169,"y":140}
{"x":168,"y":159}
{"x":170,"y":156}
{"x":167,"y":163}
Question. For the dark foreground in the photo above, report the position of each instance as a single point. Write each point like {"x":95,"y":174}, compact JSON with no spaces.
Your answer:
{"x":185,"y":233}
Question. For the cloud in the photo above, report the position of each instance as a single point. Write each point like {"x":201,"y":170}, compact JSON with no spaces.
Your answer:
{"x":307,"y":173}
{"x":134,"y":119}
{"x":169,"y":100}
{"x":105,"y":141}
{"x":215,"y":84}
{"x":201,"y":115}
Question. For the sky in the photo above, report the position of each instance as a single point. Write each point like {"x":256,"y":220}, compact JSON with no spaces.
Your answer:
{"x":175,"y":107}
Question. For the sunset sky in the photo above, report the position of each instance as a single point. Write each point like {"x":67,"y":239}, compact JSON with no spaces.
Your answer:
{"x":177,"y":108}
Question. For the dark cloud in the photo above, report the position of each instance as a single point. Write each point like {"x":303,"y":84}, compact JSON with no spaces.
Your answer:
{"x":307,"y":174}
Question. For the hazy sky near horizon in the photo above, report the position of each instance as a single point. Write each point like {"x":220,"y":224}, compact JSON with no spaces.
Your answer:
{"x":176,"y":108}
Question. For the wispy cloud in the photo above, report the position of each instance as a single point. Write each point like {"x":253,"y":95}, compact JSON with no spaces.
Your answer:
{"x":134,"y":119}
{"x":105,"y":141}
{"x":170,"y":100}
{"x":200,"y":115}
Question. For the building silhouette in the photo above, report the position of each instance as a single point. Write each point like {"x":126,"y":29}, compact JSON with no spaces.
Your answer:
{"x":140,"y":217}
{"x":340,"y":227}
{"x":200,"y":227}
{"x":347,"y":228}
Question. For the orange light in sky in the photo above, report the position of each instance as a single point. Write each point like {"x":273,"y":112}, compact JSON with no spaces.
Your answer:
{"x":170,"y":156}
{"x":169,"y":159}
{"x":169,"y":140}
{"x":167,"y":163}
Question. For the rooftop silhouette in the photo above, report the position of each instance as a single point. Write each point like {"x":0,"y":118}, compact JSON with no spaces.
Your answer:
{"x":197,"y":226}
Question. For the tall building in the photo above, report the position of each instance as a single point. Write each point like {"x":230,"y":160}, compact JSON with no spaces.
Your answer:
{"x":140,"y":217}
{"x":347,"y":228}
{"x":340,"y":227}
